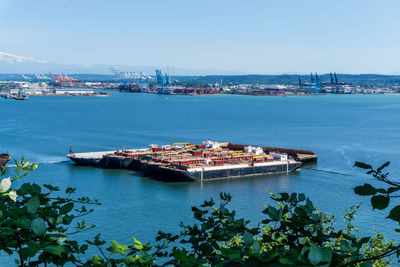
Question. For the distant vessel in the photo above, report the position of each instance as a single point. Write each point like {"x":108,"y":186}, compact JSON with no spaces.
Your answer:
{"x":4,"y":158}
{"x":190,"y":162}
{"x":21,"y":96}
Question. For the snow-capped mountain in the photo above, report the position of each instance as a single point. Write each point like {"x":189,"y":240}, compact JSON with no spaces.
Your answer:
{"x":10,"y":63}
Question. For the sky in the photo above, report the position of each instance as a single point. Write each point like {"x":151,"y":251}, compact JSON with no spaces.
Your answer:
{"x":266,"y":37}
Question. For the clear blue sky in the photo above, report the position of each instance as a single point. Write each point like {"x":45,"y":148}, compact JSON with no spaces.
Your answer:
{"x":347,"y":36}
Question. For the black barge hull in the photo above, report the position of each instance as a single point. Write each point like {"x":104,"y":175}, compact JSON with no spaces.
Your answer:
{"x":168,"y":174}
{"x":121,"y":163}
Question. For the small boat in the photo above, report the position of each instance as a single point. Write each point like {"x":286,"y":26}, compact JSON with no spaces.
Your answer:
{"x":4,"y":158}
{"x":20,"y":97}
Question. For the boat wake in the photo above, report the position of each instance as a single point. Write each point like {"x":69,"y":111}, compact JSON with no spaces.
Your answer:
{"x":333,"y":172}
{"x":39,"y":163}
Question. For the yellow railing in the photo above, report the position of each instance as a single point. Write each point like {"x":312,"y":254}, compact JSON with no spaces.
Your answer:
{"x":175,"y":144}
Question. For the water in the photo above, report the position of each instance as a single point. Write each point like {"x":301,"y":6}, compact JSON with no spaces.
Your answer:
{"x":339,"y":128}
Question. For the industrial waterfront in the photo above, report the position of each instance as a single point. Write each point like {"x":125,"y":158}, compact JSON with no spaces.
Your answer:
{"x":339,"y":128}
{"x":21,"y":86}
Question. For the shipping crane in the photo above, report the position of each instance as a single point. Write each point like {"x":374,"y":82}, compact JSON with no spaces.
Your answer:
{"x":64,"y":80}
{"x":132,"y":81}
{"x":164,"y":84}
{"x":26,"y":77}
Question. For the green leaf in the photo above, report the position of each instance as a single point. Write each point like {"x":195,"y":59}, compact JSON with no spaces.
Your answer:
{"x":395,"y":214}
{"x":55,"y":250}
{"x":309,"y":204}
{"x":25,"y":223}
{"x":24,"y":189}
{"x":346,"y":247}
{"x":33,"y":205}
{"x":96,"y":259}
{"x":38,"y":226}
{"x":315,"y":217}
{"x":118,"y":248}
{"x":179,"y":255}
{"x":302,"y":197}
{"x":284,"y":196}
{"x":392,"y":189}
{"x":315,"y":255}
{"x":303,"y":256}
{"x":247,"y":238}
{"x":273,"y":213}
{"x":165,"y":244}
{"x":28,"y":252}
{"x":380,"y":202}
{"x":35,"y":189}
{"x":383,"y":166}
{"x":365,"y":190}
{"x":84,"y":247}
{"x":286,"y":261}
{"x":51,"y":188}
{"x":67,"y":219}
{"x":234,"y":255}
{"x":364,"y":240}
{"x":130,"y":260}
{"x":326,"y":256}
{"x":66,"y":208}
{"x":138,"y":244}
{"x":366,"y":264}
{"x":362,"y":165}
{"x":256,"y":247}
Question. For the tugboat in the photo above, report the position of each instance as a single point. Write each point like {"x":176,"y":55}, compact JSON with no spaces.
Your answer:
{"x":21,"y":95}
{"x":4,"y":158}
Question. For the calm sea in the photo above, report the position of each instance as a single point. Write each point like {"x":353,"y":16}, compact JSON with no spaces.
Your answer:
{"x":339,"y":128}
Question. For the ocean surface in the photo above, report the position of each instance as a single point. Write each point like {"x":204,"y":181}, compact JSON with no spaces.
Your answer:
{"x":341,"y":129}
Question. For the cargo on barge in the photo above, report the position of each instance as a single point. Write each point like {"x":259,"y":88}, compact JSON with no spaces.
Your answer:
{"x":190,"y":162}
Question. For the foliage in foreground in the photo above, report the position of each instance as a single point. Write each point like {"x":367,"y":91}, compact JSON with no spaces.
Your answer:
{"x":36,"y":225}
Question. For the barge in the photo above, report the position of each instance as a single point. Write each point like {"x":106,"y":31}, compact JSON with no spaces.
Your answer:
{"x":191,"y":162}
{"x":95,"y":159}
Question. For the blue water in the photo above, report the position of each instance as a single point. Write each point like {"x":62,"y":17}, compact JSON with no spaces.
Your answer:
{"x":339,"y":128}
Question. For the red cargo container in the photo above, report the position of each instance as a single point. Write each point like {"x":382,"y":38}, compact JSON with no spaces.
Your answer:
{"x":201,"y":147}
{"x":197,"y":153}
{"x":208,"y":155}
{"x":156,"y":149}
